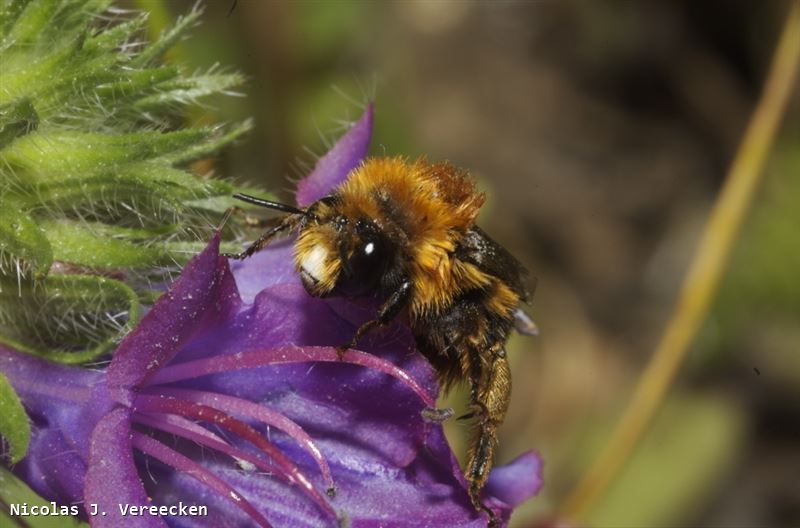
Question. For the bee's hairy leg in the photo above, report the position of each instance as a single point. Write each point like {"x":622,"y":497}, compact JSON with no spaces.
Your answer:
{"x":491,"y":394}
{"x":396,"y":302}
{"x":481,"y":457}
{"x":286,"y":223}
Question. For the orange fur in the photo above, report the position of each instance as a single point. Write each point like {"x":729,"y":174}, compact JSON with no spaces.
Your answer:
{"x":439,"y":204}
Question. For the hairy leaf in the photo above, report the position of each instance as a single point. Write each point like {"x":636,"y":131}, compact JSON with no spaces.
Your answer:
{"x":14,"y":426}
{"x":23,"y":245}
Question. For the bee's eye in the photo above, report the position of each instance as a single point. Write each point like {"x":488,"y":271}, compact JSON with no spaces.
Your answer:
{"x":365,"y":263}
{"x":367,"y":257}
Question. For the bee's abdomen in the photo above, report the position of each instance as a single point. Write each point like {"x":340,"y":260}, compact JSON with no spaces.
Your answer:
{"x":458,"y":340}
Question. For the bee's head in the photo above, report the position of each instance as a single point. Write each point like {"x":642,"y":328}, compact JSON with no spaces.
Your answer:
{"x":338,"y":255}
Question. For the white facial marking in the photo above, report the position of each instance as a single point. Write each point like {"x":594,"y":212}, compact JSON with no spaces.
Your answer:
{"x":369,"y":248}
{"x":314,"y":262}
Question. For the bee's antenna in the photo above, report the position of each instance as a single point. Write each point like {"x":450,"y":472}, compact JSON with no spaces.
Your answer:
{"x":271,"y":205}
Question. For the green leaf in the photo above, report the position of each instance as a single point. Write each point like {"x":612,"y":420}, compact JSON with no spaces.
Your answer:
{"x":23,"y":246}
{"x":188,"y":90}
{"x":17,"y":119}
{"x":14,"y":491}
{"x":109,"y":39}
{"x":88,"y":176}
{"x":14,"y":426}
{"x":145,"y":195}
{"x":30,"y":22}
{"x":26,"y":75}
{"x":80,"y":244}
{"x":212,"y":144}
{"x":168,"y":38}
{"x":10,"y":10}
{"x":54,"y":154}
{"x":133,"y":85}
{"x":69,"y":318}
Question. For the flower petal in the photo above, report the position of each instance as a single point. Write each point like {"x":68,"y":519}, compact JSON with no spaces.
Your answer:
{"x":112,"y":479}
{"x":379,"y":413}
{"x":333,"y":168}
{"x":389,"y":465}
{"x":63,"y":404}
{"x":187,"y":466}
{"x":204,"y":294}
{"x":424,"y":493}
{"x":53,"y":468}
{"x":517,"y":481}
{"x":265,"y":269}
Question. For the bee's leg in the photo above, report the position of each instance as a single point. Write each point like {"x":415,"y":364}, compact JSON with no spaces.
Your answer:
{"x":254,"y":221}
{"x":490,"y":401}
{"x":388,"y":311}
{"x":286,"y":223}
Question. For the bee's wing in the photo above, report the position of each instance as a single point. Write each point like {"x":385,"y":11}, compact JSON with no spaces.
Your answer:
{"x":476,"y":247}
{"x":524,"y":324}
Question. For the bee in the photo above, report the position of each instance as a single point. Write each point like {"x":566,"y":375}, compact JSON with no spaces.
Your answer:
{"x":406,"y":232}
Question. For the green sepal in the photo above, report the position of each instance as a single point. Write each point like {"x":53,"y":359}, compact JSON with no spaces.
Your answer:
{"x":14,"y":425}
{"x":144,"y":195}
{"x":23,"y":245}
{"x":188,"y":90}
{"x":54,"y":154}
{"x":16,"y":120}
{"x":29,"y":22}
{"x":24,"y":77}
{"x":212,"y":144}
{"x":79,"y":243}
{"x":10,"y":10}
{"x":85,"y":154}
{"x":109,"y":39}
{"x":133,"y":85}
{"x":167,"y":38}
{"x":69,"y":318}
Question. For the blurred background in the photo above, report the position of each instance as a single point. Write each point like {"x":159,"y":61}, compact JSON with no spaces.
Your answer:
{"x":601,"y":131}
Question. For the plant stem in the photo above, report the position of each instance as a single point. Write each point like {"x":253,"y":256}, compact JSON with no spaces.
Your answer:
{"x":703,"y":277}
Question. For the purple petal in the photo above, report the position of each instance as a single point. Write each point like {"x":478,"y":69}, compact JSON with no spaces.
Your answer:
{"x":62,"y":403}
{"x":261,"y":413}
{"x":517,"y":481}
{"x":390,"y":467}
{"x":264,"y":270}
{"x":425,"y":493}
{"x":53,"y":467}
{"x":188,"y":409}
{"x":112,"y":478}
{"x":376,"y":410}
{"x":40,"y":382}
{"x":204,"y":294}
{"x":189,"y":467}
{"x":333,"y":168}
{"x":286,"y":355}
{"x":190,"y":431}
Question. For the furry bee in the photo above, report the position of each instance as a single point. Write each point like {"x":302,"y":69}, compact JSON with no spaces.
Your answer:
{"x":406,"y":231}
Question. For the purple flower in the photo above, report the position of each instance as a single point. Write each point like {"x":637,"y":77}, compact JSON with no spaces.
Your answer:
{"x":229,"y":394}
